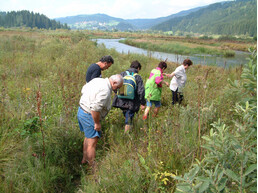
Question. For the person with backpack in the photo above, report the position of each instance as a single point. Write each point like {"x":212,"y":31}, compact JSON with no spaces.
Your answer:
{"x":178,"y":81}
{"x":153,"y":89}
{"x":94,"y":70}
{"x":130,"y":97}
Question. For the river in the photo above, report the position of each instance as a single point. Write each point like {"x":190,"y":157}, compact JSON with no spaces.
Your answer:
{"x":240,"y":57}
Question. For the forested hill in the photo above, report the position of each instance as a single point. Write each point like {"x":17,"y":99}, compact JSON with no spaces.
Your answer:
{"x":28,"y":19}
{"x":230,"y":18}
{"x":143,"y":24}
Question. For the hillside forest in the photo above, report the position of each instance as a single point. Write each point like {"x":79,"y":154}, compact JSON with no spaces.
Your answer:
{"x":29,"y":19}
{"x":206,"y":144}
{"x":225,"y":18}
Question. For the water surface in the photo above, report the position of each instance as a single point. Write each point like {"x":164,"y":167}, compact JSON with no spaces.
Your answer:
{"x":240,"y":57}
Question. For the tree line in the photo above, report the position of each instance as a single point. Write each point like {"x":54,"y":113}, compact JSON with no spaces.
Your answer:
{"x":29,"y":19}
{"x":227,"y":18}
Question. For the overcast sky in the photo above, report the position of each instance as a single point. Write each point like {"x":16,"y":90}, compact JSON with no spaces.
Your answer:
{"x":125,"y":9}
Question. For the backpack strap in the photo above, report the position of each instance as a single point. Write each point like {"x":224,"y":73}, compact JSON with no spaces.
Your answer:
{"x":133,"y":74}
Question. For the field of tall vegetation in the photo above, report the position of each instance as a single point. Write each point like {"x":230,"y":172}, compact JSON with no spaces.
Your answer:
{"x":208,"y":144}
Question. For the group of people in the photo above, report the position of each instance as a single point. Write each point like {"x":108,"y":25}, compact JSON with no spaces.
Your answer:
{"x":95,"y":101}
{"x":153,"y":86}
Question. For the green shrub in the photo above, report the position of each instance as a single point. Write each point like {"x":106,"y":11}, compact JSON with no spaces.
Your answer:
{"x":230,"y":163}
{"x":229,"y":53}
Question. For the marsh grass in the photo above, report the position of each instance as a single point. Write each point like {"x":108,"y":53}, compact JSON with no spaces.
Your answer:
{"x":134,"y":162}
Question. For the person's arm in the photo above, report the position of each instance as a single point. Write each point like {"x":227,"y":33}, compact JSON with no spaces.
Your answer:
{"x":140,"y":90}
{"x":96,"y":118}
{"x":97,"y":107}
{"x":164,"y":82}
{"x":170,"y":75}
{"x":159,"y":81}
{"x":141,"y":93}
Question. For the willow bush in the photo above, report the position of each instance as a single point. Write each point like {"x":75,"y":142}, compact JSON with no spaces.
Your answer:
{"x":230,"y":164}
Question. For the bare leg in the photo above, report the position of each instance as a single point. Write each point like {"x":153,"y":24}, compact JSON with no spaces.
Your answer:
{"x":84,"y":158}
{"x":89,"y":150}
{"x":146,"y":112}
{"x":127,"y":128}
{"x":156,"y":110}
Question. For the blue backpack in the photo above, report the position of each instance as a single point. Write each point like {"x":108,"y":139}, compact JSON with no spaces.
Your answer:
{"x":127,"y":91}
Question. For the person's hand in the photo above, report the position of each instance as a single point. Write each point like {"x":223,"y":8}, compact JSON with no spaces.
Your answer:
{"x":97,"y":126}
{"x":142,"y":107}
{"x":167,"y":84}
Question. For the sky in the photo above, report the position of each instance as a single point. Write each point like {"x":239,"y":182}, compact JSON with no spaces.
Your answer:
{"x":125,"y":9}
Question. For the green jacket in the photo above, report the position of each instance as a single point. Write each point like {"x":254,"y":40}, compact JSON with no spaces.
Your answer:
{"x":152,"y":91}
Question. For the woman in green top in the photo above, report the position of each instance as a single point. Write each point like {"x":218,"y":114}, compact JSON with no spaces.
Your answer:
{"x":153,"y":88}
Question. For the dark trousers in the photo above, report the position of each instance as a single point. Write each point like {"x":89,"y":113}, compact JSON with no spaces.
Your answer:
{"x":128,"y":114}
{"x":177,"y":97}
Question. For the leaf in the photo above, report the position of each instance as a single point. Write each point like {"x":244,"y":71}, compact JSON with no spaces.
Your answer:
{"x":216,"y":170}
{"x":23,"y":132}
{"x":250,"y":169}
{"x":193,"y":172}
{"x":184,"y":188}
{"x":204,"y":186}
{"x":220,"y":175}
{"x":206,"y":138}
{"x":222,"y":183}
{"x":142,"y":160}
{"x":208,"y":148}
{"x":232,"y":175}
{"x":198,"y":185}
{"x":204,"y":179}
{"x":147,"y":168}
{"x":247,"y":105}
{"x":178,"y":178}
{"x":253,"y":189}
{"x":164,"y":180}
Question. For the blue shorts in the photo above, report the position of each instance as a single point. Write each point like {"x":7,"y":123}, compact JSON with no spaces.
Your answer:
{"x":128,"y":114}
{"x":156,"y":103}
{"x":87,"y":124}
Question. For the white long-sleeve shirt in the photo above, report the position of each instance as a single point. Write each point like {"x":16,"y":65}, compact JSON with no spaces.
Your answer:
{"x":96,"y":96}
{"x":179,"y":80}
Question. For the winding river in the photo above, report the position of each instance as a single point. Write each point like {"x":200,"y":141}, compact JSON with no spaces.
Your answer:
{"x":240,"y":57}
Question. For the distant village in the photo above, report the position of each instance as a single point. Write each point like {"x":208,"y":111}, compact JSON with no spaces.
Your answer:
{"x":94,"y":25}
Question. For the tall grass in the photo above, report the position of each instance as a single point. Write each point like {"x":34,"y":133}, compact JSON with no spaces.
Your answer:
{"x":141,"y":161}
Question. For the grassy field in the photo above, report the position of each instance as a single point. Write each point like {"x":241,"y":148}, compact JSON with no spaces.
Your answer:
{"x":196,"y":146}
